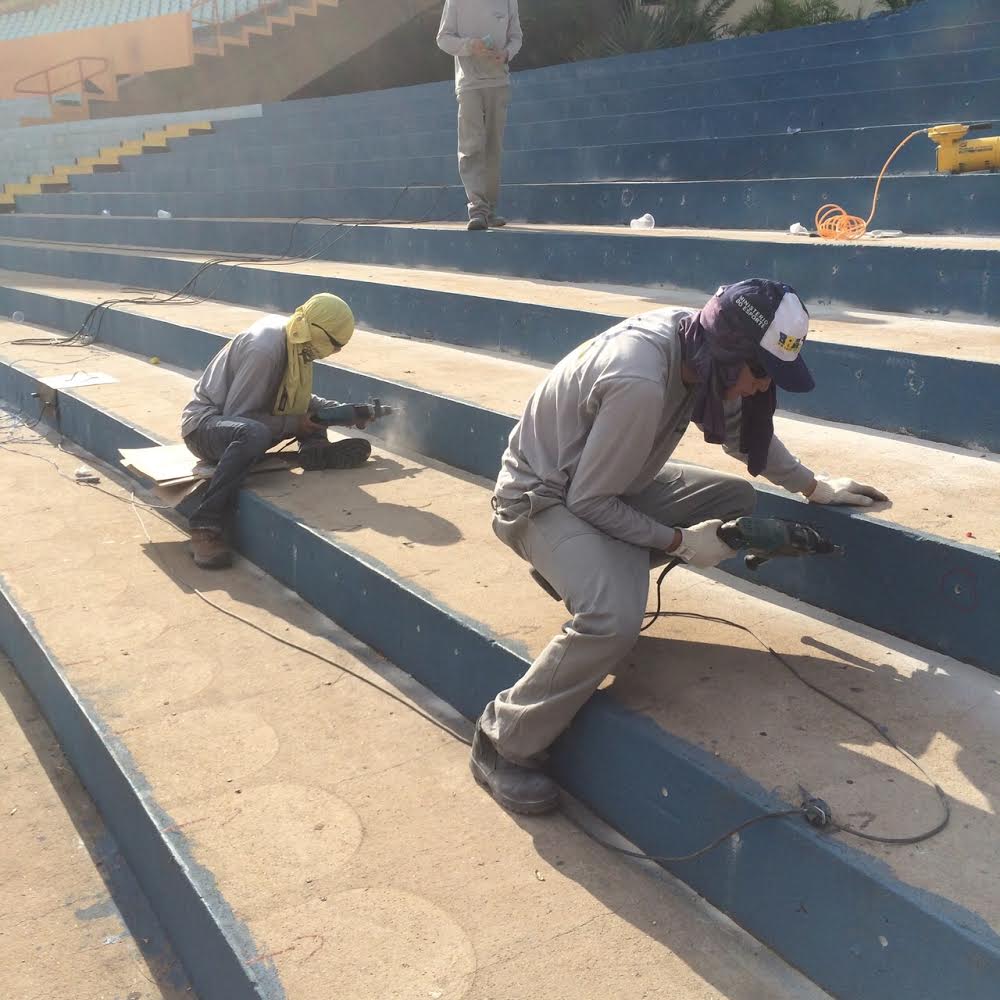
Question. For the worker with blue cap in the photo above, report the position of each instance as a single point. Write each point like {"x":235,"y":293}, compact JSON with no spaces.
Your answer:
{"x":587,"y":494}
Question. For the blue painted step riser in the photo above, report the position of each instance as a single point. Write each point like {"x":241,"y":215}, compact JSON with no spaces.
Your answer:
{"x":943,"y":610}
{"x":918,"y":204}
{"x":936,"y":398}
{"x":845,"y":152}
{"x":902,"y":279}
{"x":178,"y":890}
{"x":669,"y":88}
{"x":842,"y":67}
{"x":617,"y":762}
{"x":947,"y":102}
{"x":818,"y":154}
{"x":688,"y":64}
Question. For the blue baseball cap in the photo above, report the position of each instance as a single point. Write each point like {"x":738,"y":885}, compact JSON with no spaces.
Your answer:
{"x":772,"y":315}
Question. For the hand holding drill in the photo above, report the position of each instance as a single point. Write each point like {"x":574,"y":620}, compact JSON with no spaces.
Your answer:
{"x":358,"y":415}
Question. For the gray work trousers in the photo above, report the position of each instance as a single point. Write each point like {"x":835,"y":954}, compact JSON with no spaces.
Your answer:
{"x":482,"y":116}
{"x":604,"y":583}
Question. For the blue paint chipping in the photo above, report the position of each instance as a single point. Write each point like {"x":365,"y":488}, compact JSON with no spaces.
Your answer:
{"x":827,"y":904}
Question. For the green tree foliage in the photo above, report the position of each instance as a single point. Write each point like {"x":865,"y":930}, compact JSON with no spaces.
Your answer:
{"x":777,"y":15}
{"x":639,"y":28}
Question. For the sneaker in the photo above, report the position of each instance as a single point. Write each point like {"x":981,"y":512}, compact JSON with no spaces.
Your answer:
{"x":209,"y":549}
{"x":477,"y":224}
{"x":351,"y":453}
{"x":516,"y":788}
{"x":497,"y":222}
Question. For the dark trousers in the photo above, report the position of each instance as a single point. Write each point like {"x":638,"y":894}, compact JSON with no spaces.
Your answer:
{"x":234,"y":443}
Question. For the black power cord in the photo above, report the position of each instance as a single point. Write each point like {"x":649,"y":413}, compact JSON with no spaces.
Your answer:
{"x":87,"y":332}
{"x":815,"y":811}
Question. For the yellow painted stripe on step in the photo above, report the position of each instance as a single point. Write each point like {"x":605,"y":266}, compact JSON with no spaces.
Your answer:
{"x":74,"y":170}
{"x":44,"y":179}
{"x":22,"y":189}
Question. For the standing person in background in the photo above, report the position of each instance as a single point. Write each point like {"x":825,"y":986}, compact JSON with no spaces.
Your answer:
{"x":483,"y":36}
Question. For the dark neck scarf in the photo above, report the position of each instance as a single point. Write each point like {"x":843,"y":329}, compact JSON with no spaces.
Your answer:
{"x":717,"y":351}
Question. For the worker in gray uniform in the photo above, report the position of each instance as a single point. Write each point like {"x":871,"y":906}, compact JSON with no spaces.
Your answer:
{"x":587,"y":496}
{"x":483,"y":36}
{"x":255,"y":393}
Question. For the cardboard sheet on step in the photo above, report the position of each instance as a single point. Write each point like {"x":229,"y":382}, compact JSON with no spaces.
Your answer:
{"x":176,"y":472}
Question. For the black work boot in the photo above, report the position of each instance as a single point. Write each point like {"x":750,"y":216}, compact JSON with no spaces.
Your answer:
{"x":518,"y":789}
{"x":351,"y":453}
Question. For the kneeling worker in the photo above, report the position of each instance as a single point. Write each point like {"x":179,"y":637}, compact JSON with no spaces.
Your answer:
{"x":255,"y":393}
{"x":587,"y":496}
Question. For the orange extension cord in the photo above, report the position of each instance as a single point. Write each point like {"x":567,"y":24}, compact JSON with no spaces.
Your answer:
{"x":833,"y":223}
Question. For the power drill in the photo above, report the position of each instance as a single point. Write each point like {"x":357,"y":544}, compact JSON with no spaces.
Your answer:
{"x":353,"y":414}
{"x":763,"y":538}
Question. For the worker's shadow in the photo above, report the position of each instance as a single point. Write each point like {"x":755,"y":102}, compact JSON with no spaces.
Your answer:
{"x":744,"y":707}
{"x":349,"y":501}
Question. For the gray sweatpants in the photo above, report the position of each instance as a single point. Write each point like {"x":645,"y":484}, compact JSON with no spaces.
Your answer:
{"x":604,"y":583}
{"x":482,"y":116}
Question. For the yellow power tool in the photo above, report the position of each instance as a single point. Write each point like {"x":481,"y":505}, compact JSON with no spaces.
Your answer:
{"x":958,"y":155}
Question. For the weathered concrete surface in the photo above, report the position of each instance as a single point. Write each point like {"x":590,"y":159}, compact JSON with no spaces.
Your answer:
{"x":964,"y":338}
{"x":720,"y":691}
{"x":342,"y":828}
{"x":62,"y":933}
{"x":934,"y":488}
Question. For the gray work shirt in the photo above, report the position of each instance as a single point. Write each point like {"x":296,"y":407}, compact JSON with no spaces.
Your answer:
{"x":604,"y":422}
{"x":243,"y":380}
{"x":465,"y":21}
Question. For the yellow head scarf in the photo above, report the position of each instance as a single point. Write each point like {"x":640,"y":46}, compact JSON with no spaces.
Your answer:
{"x":315,"y":330}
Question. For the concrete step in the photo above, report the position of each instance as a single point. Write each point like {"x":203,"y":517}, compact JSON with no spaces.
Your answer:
{"x":452,"y":416}
{"x":842,"y":152}
{"x":904,"y":48}
{"x":698,"y":62}
{"x":937,"y":275}
{"x":816,"y":155}
{"x":931,"y":379}
{"x":966,"y":101}
{"x":74,"y":922}
{"x":648,"y":753}
{"x":817,"y":69}
{"x":668,"y":88}
{"x":336,"y":839}
{"x":921,"y":204}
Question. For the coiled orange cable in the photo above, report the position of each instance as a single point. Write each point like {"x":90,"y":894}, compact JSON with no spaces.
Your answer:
{"x":833,"y":223}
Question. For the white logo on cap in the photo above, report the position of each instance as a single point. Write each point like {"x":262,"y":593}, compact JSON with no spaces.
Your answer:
{"x":787,"y":332}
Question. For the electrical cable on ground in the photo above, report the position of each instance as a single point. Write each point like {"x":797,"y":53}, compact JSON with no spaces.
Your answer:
{"x":814,"y":811}
{"x":834,"y":223}
{"x":86,"y":333}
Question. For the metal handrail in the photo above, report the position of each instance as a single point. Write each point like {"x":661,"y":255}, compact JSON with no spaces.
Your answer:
{"x":79,"y":81}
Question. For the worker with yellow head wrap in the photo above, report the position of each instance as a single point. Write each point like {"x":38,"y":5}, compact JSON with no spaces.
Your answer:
{"x":255,"y":393}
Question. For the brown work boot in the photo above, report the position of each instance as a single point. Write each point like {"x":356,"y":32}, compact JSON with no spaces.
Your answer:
{"x":209,"y":549}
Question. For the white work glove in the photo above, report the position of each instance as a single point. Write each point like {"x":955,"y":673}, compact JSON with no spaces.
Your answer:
{"x":701,"y":546}
{"x":844,"y":491}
